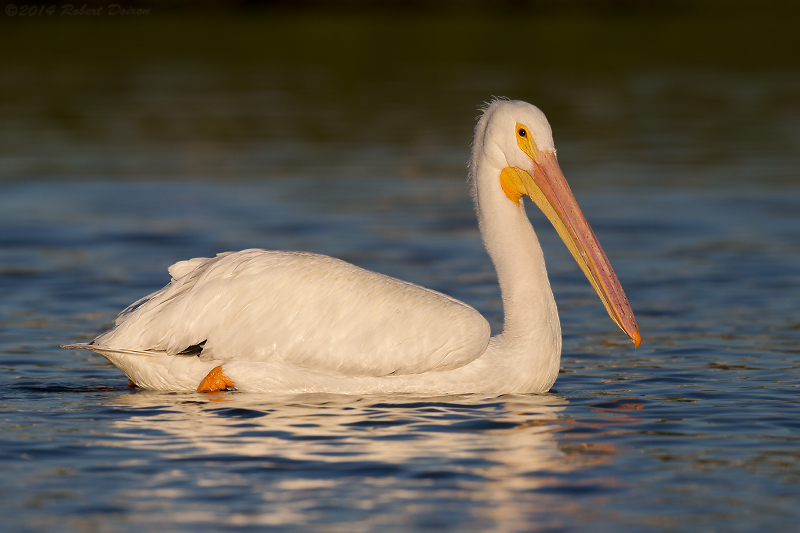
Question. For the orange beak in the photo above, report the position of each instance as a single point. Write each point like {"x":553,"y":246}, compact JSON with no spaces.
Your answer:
{"x":548,"y":188}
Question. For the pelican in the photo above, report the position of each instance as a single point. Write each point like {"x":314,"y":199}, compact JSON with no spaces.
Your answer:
{"x":290,"y":322}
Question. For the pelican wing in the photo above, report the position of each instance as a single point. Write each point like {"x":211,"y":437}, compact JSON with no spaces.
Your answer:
{"x":303,"y":309}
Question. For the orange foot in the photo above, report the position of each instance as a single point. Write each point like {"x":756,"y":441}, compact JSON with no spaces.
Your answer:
{"x":215,"y":381}
{"x":131,"y":384}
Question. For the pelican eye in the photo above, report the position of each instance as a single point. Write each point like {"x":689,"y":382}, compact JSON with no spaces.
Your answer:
{"x":522,"y":133}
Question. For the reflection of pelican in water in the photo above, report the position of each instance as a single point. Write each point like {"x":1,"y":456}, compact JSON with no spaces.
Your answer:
{"x":215,"y":426}
{"x":282,"y":322}
{"x":498,"y":452}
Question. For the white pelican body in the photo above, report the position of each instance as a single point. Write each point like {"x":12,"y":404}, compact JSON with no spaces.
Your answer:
{"x":271,"y":321}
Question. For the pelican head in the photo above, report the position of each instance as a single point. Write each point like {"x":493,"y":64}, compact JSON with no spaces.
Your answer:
{"x":515,"y":139}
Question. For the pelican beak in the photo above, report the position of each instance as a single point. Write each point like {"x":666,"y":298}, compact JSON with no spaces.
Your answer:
{"x":549,"y":190}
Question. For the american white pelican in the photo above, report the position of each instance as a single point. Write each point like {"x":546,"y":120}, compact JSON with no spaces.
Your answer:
{"x":270,"y":321}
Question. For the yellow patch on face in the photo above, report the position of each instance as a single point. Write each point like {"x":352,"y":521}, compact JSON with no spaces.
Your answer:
{"x":512,"y":183}
{"x":516,"y":181}
{"x":525,"y":142}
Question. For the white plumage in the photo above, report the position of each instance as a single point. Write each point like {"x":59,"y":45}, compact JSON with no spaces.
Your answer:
{"x":298,"y":322}
{"x":307,"y":310}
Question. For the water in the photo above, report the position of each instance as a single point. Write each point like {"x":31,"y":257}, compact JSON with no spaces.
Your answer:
{"x":688,"y":176}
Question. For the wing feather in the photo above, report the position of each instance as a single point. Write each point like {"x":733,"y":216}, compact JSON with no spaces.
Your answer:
{"x":308,"y":310}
